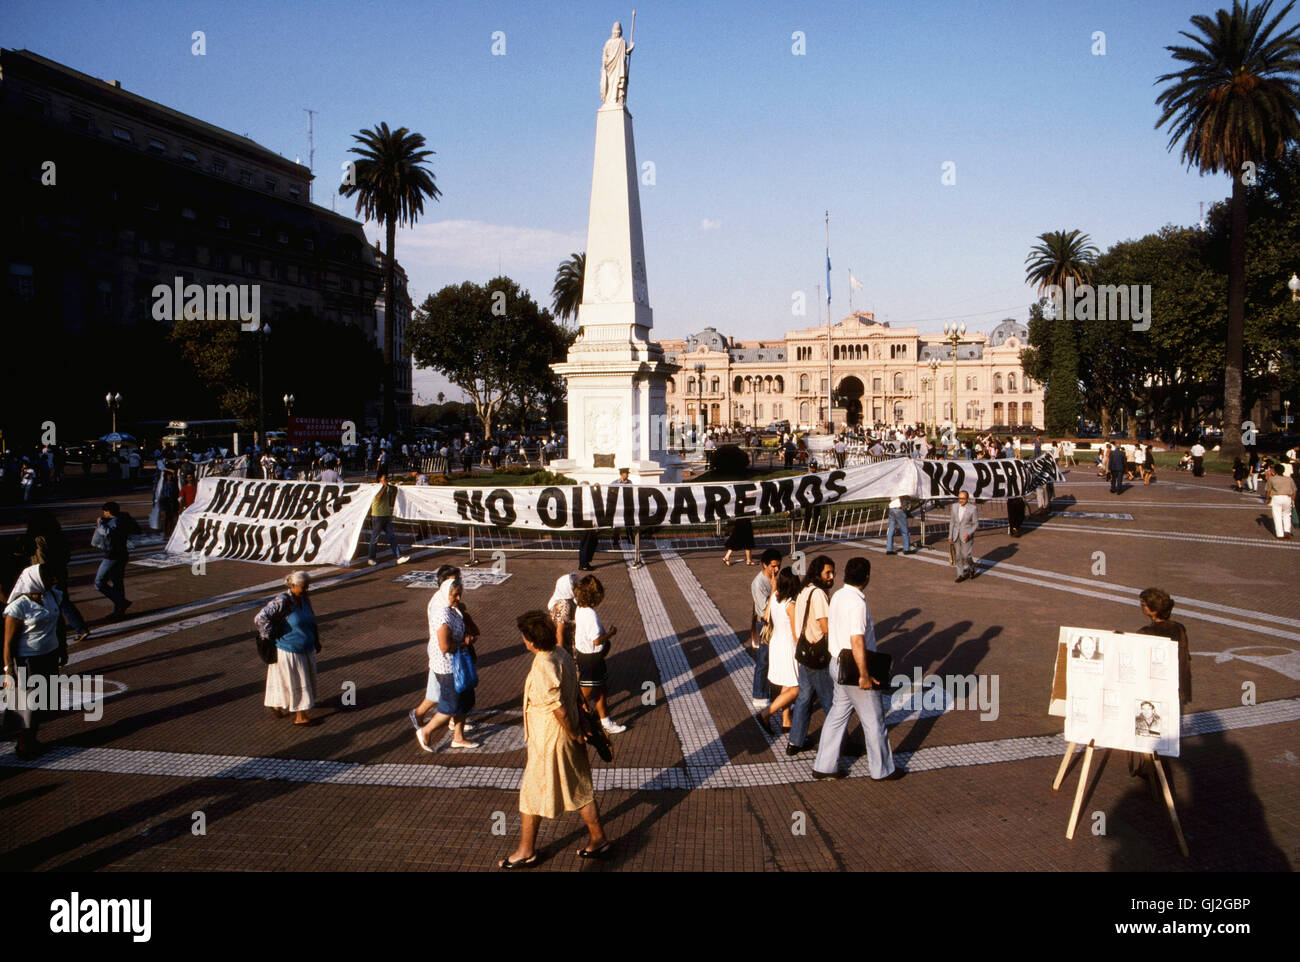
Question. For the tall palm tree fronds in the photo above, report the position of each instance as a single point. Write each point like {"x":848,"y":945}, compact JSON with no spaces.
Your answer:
{"x":566,"y":295}
{"x":1060,"y":256}
{"x":1235,"y":105}
{"x":390,"y":185}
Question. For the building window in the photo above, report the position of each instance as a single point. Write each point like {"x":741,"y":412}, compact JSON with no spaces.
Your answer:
{"x":270,"y":184}
{"x":122,"y":134}
{"x":997,"y":383}
{"x":308,"y":244}
{"x":780,"y":384}
{"x":1013,"y":414}
{"x":146,"y":247}
{"x":875,"y":385}
{"x":997,"y":413}
{"x":104,"y":296}
{"x":1011,"y":383}
{"x":713,"y":386}
{"x":281,"y":237}
{"x":823,"y":385}
{"x":188,"y":213}
{"x":223,"y":223}
{"x":81,"y":123}
{"x":151,"y":203}
{"x":803,"y":412}
{"x":803,"y":384}
{"x":1026,"y":413}
{"x":898,"y":382}
{"x":254,"y":230}
{"x":22,"y":281}
{"x":157,"y":146}
{"x":690,"y":385}
{"x":218,"y":165}
{"x":246,"y":178}
{"x":295,"y":192}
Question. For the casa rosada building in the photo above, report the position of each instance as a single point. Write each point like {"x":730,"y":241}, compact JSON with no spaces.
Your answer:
{"x":881,"y":377}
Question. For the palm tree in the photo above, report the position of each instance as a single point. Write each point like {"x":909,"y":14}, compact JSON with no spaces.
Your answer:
{"x":441,"y":395}
{"x":1235,"y":105}
{"x":390,"y":186}
{"x":566,"y":295}
{"x":1057,"y":257}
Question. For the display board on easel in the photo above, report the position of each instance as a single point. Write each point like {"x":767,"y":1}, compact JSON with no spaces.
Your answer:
{"x":1117,"y":690}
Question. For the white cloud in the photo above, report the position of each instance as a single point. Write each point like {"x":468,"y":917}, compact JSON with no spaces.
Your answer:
{"x":478,"y":247}
{"x":707,"y":224}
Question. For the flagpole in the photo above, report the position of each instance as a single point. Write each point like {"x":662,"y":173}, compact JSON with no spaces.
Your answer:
{"x":850,"y":291}
{"x":830,"y":384}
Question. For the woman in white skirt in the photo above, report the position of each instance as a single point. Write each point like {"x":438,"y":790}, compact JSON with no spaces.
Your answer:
{"x":781,"y":667}
{"x":290,"y":621}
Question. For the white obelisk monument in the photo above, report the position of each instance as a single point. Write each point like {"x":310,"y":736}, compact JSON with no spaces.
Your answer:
{"x":615,"y":374}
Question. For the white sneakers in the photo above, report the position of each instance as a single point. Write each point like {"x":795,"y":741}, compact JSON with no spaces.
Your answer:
{"x":403,"y":559}
{"x":761,"y":702}
{"x":419,"y":737}
{"x":451,"y":726}
{"x":612,"y":727}
{"x":371,"y":562}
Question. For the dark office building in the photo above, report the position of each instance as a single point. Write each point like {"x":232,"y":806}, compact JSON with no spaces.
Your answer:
{"x":106,"y":195}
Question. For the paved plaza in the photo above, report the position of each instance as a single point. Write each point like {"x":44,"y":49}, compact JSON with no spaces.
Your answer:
{"x":695,"y":783}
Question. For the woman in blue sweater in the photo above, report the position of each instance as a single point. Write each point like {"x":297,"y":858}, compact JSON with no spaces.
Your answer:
{"x":290,"y":621}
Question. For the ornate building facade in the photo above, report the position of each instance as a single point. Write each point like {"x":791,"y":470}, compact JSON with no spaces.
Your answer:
{"x":861,"y":372}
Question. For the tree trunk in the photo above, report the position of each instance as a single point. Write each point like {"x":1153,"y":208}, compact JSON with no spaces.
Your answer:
{"x":390,"y":322}
{"x":1106,"y":423}
{"x":1233,"y":359}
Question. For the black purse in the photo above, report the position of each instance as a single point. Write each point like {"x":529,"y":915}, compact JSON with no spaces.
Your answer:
{"x":879,"y":665}
{"x":590,"y":728}
{"x":812,"y":655}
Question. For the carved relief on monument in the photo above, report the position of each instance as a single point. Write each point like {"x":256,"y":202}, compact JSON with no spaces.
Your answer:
{"x":601,"y":419}
{"x":640,"y":291}
{"x":609,"y":280}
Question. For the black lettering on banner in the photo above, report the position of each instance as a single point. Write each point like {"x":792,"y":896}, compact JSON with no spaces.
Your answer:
{"x":551,"y":508}
{"x":287,"y":505}
{"x":258,"y":542}
{"x":999,"y":478}
{"x":982,"y":478}
{"x":745,"y":496}
{"x":629,"y":504}
{"x":835,"y":485}
{"x":715,"y":502}
{"x":683,"y":504}
{"x":251,"y":491}
{"x":310,"y":495}
{"x":501,"y":507}
{"x":220,"y":493}
{"x":266,"y":503}
{"x":234,"y":542}
{"x":469,"y":505}
{"x":276,"y":535}
{"x":317,"y":536}
{"x":646,"y":517}
{"x":1013,"y":479}
{"x":776,"y":496}
{"x":578,"y":520}
{"x":328,"y":504}
{"x":807,"y":482}
{"x":605,"y":512}
{"x":954,"y":478}
{"x":297,"y":545}
{"x":934,"y":471}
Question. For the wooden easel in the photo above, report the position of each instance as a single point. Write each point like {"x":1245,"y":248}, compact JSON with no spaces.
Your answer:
{"x":1152,"y":759}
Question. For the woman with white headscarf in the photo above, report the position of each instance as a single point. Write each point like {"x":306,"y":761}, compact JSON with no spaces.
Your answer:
{"x":34,"y":649}
{"x":562,"y":608}
{"x":288,"y":619}
{"x":447,"y":634}
{"x":444,"y":576}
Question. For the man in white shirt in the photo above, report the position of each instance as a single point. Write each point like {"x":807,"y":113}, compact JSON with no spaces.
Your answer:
{"x":1198,"y":460}
{"x":852,"y":635}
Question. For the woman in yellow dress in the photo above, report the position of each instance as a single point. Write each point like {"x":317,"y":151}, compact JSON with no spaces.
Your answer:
{"x":557,"y":776}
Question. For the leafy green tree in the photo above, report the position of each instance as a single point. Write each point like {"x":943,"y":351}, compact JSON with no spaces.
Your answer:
{"x":491,"y":340}
{"x":390,"y":186}
{"x":566,"y":295}
{"x":1233,"y":107}
{"x":1057,"y":257}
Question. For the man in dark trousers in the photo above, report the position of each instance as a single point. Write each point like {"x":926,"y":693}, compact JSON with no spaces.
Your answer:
{"x":113,"y":529}
{"x":1116,"y":465}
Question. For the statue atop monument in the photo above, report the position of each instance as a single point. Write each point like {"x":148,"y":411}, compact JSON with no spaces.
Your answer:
{"x":613,"y":67}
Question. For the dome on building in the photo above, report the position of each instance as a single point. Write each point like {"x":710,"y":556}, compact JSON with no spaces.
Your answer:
{"x":708,"y":338}
{"x":1008,"y":328}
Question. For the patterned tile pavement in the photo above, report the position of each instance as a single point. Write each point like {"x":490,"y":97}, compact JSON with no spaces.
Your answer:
{"x":695,"y":785}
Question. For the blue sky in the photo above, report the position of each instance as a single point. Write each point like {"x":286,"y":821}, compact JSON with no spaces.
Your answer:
{"x":751,"y":143}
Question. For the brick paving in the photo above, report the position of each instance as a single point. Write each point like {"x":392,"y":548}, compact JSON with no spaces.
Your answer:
{"x":695,"y":784}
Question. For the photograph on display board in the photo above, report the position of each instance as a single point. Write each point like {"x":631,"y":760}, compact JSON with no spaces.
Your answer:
{"x":1121,"y":689}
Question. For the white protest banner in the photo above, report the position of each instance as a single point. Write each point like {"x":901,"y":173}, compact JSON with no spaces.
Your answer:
{"x":273,"y":522}
{"x":1121,"y":690}
{"x":579,"y":507}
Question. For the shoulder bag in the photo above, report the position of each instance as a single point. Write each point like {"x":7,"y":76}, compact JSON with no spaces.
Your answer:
{"x":463,"y":673}
{"x":813,"y":655}
{"x":590,"y":728}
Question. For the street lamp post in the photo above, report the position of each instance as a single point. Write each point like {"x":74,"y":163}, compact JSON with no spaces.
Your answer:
{"x":933,"y":364}
{"x":289,"y":400}
{"x":702,"y":420}
{"x":953,"y":333}
{"x":262,"y":333}
{"x":114,"y":401}
{"x":1294,"y":285}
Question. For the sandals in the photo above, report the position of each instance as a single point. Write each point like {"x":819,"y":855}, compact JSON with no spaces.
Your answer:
{"x":600,"y":851}
{"x":466,"y":744}
{"x":529,"y":862}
